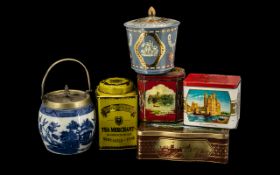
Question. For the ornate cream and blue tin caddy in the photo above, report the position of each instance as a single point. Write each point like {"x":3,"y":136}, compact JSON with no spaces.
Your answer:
{"x":152,"y":42}
{"x":66,"y":118}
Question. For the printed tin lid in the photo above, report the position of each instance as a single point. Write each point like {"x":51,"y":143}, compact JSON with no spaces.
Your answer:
{"x":212,"y":80}
{"x":151,"y":22}
{"x":176,"y":72}
{"x":115,"y":86}
{"x":179,"y":130}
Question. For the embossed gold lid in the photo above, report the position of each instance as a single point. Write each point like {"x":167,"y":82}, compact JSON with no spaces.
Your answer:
{"x":152,"y":21}
{"x":179,"y":130}
{"x":115,"y":86}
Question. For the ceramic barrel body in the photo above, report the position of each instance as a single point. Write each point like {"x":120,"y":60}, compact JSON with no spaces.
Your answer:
{"x":66,"y":118}
{"x":212,"y":100}
{"x":152,"y":42}
{"x":67,"y":131}
{"x":182,"y":143}
{"x":117,"y":114}
{"x":161,"y":96}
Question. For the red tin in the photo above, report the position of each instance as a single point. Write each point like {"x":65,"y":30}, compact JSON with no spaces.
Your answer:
{"x":161,"y":96}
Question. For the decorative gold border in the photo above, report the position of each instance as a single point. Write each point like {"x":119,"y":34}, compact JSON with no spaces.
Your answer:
{"x":139,"y":56}
{"x":211,"y":151}
{"x":152,"y":31}
{"x":181,"y":160}
{"x":224,"y":135}
{"x":233,"y":107}
{"x":169,"y":66}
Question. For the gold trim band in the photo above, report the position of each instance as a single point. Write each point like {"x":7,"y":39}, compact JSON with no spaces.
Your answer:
{"x":183,"y":135}
{"x":152,"y":31}
{"x":162,"y":50}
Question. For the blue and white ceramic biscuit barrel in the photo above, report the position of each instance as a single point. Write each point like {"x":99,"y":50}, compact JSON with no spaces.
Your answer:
{"x":67,"y":118}
{"x":152,"y":42}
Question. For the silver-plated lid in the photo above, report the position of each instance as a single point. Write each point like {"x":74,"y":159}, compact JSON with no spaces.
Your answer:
{"x":66,"y":99}
{"x":67,"y":95}
{"x":152,"y":21}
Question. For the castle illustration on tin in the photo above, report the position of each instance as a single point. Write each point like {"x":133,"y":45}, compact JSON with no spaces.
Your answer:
{"x":208,"y":106}
{"x":160,"y":100}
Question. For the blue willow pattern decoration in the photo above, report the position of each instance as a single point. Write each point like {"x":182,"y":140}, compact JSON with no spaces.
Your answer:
{"x":67,"y":141}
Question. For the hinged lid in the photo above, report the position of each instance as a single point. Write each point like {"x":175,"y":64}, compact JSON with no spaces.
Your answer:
{"x":212,"y":80}
{"x":152,"y":21}
{"x":179,"y":130}
{"x":176,"y":72}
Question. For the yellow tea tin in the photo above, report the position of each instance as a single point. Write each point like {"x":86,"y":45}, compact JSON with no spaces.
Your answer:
{"x":117,"y":113}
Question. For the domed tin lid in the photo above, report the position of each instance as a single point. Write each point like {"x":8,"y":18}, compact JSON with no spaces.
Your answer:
{"x":115,"y":86}
{"x":67,"y":98}
{"x":151,"y":22}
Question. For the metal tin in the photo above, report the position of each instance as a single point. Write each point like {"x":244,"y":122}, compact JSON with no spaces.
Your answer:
{"x":117,"y":114}
{"x":161,"y":96}
{"x":66,"y":117}
{"x":212,"y":100}
{"x":152,"y":42}
{"x":182,"y":143}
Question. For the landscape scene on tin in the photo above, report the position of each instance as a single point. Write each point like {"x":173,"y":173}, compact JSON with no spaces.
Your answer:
{"x":208,"y":106}
{"x":160,"y":100}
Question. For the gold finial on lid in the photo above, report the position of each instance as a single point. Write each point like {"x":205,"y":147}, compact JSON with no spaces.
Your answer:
{"x":152,"y":11}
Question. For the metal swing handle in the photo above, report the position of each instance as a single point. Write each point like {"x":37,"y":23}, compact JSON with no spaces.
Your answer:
{"x":59,"y":61}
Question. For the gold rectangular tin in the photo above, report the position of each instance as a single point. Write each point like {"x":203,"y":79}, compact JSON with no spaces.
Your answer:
{"x":182,"y":143}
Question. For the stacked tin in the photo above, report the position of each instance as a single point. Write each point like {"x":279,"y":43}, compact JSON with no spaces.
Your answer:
{"x":165,"y":98}
{"x":152,"y":42}
{"x":212,"y":100}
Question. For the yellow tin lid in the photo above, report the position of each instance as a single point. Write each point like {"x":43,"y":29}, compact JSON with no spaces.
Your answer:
{"x":115,"y":86}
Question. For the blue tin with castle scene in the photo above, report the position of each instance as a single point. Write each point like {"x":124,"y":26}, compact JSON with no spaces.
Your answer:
{"x":152,"y":42}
